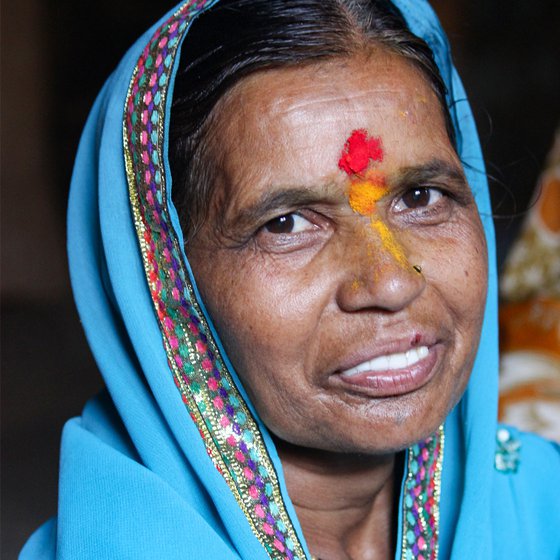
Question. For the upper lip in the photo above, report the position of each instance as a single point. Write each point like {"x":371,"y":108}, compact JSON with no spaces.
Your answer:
{"x":385,"y":347}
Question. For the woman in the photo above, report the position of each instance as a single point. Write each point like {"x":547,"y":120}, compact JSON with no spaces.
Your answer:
{"x":328,"y":385}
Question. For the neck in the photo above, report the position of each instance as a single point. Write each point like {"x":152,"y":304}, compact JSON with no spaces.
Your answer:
{"x":346,"y":503}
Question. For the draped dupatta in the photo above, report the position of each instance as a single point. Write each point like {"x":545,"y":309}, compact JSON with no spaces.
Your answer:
{"x":174,"y":462}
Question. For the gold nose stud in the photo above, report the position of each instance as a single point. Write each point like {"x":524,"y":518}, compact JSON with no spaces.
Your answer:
{"x":418,"y":268}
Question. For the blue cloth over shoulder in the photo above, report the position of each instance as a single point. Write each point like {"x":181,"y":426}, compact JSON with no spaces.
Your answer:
{"x":156,"y":466}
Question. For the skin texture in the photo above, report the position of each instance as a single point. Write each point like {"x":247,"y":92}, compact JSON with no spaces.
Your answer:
{"x":301,"y":286}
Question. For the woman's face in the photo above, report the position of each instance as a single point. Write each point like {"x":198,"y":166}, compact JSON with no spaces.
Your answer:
{"x":341,"y":344}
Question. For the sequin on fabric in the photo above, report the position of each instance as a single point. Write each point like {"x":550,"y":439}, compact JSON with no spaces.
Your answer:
{"x":421,"y":495}
{"x":231,"y":435}
{"x":508,"y":452}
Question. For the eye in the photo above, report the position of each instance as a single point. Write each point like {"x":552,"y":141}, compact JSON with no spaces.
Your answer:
{"x":419,"y":197}
{"x":294,"y":232}
{"x":288,"y":223}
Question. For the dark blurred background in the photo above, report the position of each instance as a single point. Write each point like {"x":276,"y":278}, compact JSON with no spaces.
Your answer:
{"x":55,"y":56}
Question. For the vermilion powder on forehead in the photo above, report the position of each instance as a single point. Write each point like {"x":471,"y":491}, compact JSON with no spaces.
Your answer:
{"x":358,"y":150}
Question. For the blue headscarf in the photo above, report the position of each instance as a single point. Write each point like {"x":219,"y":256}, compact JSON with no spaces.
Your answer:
{"x":173,"y":461}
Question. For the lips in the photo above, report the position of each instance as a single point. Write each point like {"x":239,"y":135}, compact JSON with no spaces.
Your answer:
{"x":402,"y":368}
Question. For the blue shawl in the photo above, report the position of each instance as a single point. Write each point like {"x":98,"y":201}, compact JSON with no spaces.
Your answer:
{"x":173,"y":461}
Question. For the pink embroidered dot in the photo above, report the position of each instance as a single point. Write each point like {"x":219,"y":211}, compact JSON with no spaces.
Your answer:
{"x":147,"y":176}
{"x":144,"y":116}
{"x":206,"y":364}
{"x":200,"y":346}
{"x":267,"y":529}
{"x":153,"y":79}
{"x":278,"y":545}
{"x":248,"y":473}
{"x":162,"y":42}
{"x":193,"y":328}
{"x":145,"y":157}
{"x":174,"y":342}
{"x":168,"y":323}
{"x":178,"y":361}
{"x":144,"y":137}
{"x":224,"y":422}
{"x":173,"y":26}
{"x":259,"y":511}
{"x":421,"y":543}
{"x":253,"y":492}
{"x":159,"y":60}
{"x":175,"y":294}
{"x":212,"y":384}
{"x":148,"y":97}
{"x":239,"y":456}
{"x":218,"y":403}
{"x":150,"y":198}
{"x":231,"y":441}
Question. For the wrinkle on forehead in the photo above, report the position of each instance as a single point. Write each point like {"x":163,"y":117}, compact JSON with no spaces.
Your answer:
{"x":321,"y":74}
{"x":320,"y":97}
{"x":277,"y":125}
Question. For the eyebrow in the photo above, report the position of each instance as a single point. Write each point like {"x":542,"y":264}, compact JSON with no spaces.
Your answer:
{"x":428,"y":171}
{"x":288,"y":198}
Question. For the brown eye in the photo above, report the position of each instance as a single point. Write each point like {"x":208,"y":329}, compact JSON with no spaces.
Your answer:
{"x":282,"y":224}
{"x":288,"y":223}
{"x":420,"y":197}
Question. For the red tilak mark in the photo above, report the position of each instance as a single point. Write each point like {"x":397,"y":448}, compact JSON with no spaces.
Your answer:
{"x":358,"y":150}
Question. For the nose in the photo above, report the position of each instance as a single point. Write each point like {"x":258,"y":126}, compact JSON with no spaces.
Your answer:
{"x":377,"y":274}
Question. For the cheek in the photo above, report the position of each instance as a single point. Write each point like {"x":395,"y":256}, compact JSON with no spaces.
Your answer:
{"x":265,"y":313}
{"x":457,"y":267}
{"x":471,"y":272}
{"x":267,"y":322}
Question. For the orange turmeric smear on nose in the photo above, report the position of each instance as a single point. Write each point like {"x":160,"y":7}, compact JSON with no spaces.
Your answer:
{"x":362,"y":198}
{"x":364,"y":194}
{"x":356,"y":285}
{"x":389,"y":242}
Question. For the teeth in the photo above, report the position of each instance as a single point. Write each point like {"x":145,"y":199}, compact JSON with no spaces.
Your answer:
{"x":390,"y":361}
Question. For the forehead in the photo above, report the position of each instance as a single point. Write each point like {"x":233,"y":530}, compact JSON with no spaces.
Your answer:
{"x":289,"y":125}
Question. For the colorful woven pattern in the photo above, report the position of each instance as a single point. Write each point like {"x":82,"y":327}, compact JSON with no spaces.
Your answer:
{"x":231,"y":436}
{"x":421,"y":499}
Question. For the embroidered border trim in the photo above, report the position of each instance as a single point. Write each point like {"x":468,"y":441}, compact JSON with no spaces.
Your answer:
{"x":421,"y":496}
{"x":230,"y":433}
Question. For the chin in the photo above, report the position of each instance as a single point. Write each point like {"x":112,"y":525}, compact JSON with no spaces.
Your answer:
{"x":354,"y":424}
{"x":365,"y":437}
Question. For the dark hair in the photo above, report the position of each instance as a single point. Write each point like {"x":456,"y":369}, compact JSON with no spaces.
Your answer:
{"x":236,"y":38}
